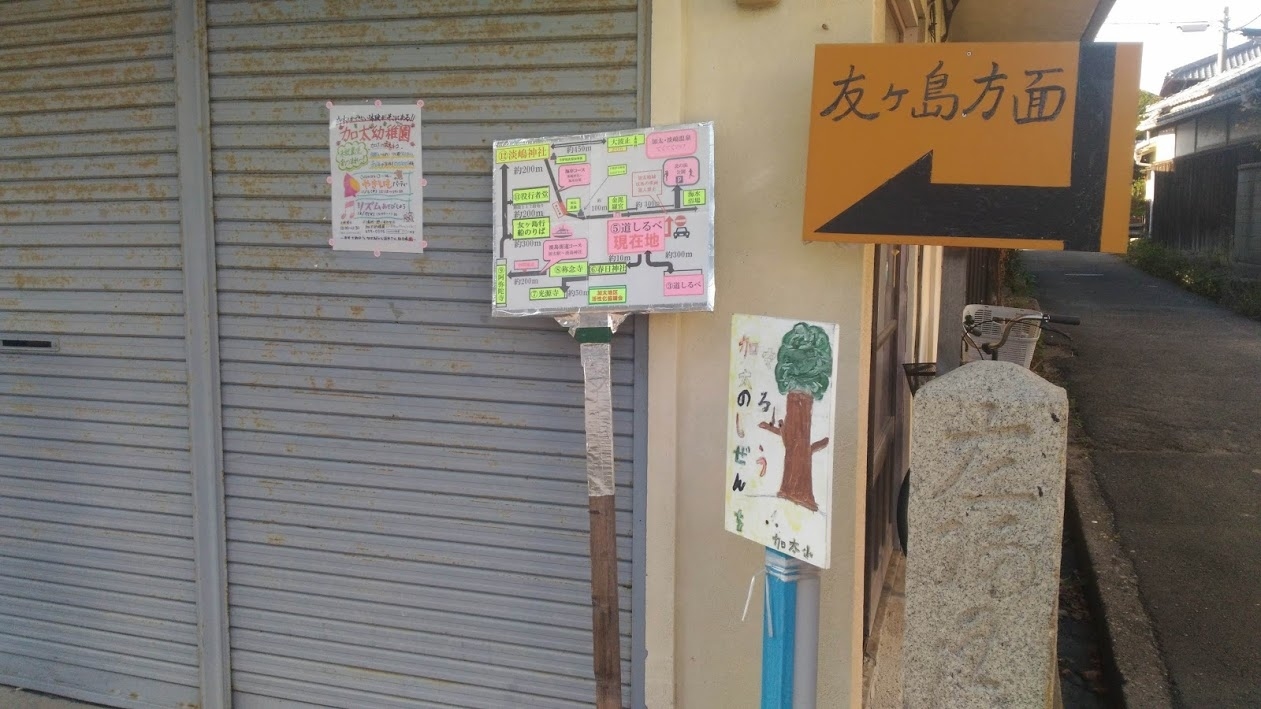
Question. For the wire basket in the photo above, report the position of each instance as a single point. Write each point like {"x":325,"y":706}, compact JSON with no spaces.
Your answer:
{"x":984,"y":324}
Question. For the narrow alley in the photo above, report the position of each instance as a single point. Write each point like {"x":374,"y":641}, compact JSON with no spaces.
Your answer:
{"x":1168,"y":388}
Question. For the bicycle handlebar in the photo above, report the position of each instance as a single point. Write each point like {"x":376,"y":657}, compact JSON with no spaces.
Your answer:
{"x":1036,"y":320}
{"x":1062,"y":319}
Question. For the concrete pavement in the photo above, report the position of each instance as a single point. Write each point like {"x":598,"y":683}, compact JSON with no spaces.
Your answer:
{"x":1168,"y":386}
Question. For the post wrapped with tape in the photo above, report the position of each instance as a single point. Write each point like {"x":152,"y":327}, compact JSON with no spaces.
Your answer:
{"x":598,"y":388}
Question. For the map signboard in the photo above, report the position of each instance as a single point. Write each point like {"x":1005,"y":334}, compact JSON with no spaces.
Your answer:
{"x":616,"y":222}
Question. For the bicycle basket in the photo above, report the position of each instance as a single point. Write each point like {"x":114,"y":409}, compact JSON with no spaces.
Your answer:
{"x":988,"y":322}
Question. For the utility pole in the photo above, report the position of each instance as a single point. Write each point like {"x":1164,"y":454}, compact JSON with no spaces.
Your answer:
{"x":1221,"y":53}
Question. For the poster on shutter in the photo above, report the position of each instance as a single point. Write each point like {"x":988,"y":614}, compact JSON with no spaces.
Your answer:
{"x":378,"y":188}
{"x":779,"y":434}
{"x":616,"y":222}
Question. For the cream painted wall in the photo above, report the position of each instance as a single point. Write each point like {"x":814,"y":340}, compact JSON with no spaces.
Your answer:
{"x":929,"y":304}
{"x":1164,"y":143}
{"x":1025,"y":20}
{"x":749,"y":72}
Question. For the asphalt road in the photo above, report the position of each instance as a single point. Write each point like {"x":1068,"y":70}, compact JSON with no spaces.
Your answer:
{"x":1168,"y":386}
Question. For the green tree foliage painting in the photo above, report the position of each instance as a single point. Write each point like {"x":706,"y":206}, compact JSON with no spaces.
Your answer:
{"x":803,"y":371}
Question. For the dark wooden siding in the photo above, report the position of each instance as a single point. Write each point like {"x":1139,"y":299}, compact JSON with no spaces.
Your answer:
{"x":984,"y":275}
{"x":1194,"y":204}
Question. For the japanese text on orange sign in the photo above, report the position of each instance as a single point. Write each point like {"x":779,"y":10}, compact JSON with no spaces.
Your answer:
{"x":960,"y":131}
{"x":998,"y":114}
{"x":1042,"y":98}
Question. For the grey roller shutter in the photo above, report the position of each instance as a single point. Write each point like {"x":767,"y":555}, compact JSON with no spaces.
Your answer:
{"x":406,"y":495}
{"x":96,"y":571}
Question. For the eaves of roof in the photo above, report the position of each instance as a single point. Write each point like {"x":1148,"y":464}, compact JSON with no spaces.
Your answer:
{"x":1229,"y":87}
{"x":1206,"y":68}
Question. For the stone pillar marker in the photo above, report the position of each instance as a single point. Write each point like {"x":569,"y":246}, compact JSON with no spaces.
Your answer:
{"x":986,"y":511}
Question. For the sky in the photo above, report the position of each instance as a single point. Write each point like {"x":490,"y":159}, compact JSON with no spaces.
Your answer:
{"x":1155,"y":24}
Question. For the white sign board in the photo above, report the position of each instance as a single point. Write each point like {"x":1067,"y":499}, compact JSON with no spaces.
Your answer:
{"x":378,"y":195}
{"x":779,"y":428}
{"x":620,"y":222}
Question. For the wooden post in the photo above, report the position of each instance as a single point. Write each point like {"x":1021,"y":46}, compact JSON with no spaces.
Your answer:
{"x":598,"y":409}
{"x":604,"y":607}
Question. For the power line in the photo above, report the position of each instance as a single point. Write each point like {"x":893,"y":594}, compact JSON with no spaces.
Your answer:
{"x":1179,"y":22}
{"x":1245,"y":25}
{"x":1163,"y":22}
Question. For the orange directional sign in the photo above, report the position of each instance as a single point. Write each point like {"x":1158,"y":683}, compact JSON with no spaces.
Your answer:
{"x":993,"y":145}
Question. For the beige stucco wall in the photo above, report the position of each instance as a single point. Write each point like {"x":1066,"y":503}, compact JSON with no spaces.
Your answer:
{"x":927,"y":309}
{"x":1026,"y":20}
{"x":749,"y":72}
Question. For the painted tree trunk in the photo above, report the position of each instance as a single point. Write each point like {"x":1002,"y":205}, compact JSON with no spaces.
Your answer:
{"x":798,"y":482}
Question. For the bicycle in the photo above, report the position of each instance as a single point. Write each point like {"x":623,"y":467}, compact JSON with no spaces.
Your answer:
{"x":995,"y":332}
{"x":990,"y":332}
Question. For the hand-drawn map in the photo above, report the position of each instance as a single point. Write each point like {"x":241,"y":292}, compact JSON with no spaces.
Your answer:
{"x":779,"y":428}
{"x":620,"y":221}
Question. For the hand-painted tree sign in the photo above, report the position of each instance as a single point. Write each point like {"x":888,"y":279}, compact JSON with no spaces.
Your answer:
{"x":779,"y":468}
{"x":803,"y":370}
{"x":991,"y":145}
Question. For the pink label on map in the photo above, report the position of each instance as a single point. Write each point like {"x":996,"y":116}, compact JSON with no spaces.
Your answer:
{"x":570,"y":175}
{"x":555,"y":250}
{"x":645,"y":184}
{"x":630,"y":236}
{"x":525,"y":265}
{"x":677,"y":284}
{"x":682,"y":171}
{"x":670,"y":143}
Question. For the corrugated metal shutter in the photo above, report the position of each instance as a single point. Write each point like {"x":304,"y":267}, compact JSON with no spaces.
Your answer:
{"x":407,"y":520}
{"x":96,"y":571}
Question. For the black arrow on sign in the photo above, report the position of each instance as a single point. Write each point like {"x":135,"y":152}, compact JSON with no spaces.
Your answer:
{"x":552,"y":176}
{"x":504,"y":234}
{"x":669,"y":267}
{"x":678,"y":199}
{"x":580,"y":214}
{"x":578,"y":142}
{"x":909,"y":204}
